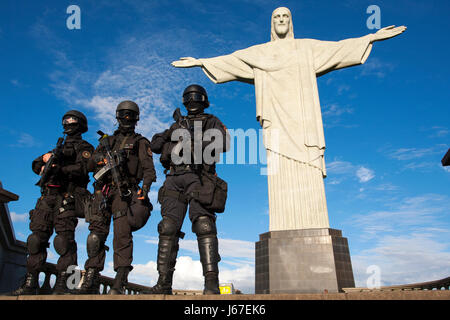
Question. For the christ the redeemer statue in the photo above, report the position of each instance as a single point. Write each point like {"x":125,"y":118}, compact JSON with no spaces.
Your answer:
{"x":284,"y":72}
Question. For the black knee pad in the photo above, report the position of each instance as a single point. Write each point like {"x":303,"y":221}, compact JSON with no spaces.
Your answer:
{"x":61,"y":244}
{"x":35,"y":243}
{"x":204,"y":226}
{"x":167,"y":227}
{"x":94,"y":245}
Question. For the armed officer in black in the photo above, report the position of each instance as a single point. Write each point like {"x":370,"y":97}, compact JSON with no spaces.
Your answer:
{"x":63,"y":193}
{"x":190,"y":182}
{"x":117,"y":195}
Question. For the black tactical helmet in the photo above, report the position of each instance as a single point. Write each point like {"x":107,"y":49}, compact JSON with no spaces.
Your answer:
{"x":74,"y":122}
{"x":127,"y":113}
{"x":195,"y":93}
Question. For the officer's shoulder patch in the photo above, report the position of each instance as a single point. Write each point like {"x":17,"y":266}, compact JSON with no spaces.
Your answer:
{"x":86,"y":154}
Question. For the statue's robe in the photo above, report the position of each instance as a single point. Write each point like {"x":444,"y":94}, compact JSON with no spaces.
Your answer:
{"x":284,"y":73}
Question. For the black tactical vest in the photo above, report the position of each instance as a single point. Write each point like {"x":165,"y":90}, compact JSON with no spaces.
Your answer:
{"x":188,"y":123}
{"x":129,"y":147}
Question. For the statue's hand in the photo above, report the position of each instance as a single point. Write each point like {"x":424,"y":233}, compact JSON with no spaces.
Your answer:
{"x":388,"y":32}
{"x":187,"y":62}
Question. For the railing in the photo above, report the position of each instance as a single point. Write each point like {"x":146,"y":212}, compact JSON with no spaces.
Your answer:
{"x":106,"y":283}
{"x":443,"y":284}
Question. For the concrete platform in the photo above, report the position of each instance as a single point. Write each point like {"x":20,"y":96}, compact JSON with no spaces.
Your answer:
{"x":302,"y":261}
{"x":378,"y":295}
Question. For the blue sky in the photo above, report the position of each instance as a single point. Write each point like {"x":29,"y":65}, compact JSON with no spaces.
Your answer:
{"x":386,"y":123}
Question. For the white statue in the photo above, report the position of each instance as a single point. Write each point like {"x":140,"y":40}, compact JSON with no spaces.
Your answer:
{"x":284,"y":73}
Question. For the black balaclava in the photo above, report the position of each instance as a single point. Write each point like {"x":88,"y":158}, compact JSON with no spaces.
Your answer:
{"x":195,"y":107}
{"x":127,"y":120}
{"x":71,"y":125}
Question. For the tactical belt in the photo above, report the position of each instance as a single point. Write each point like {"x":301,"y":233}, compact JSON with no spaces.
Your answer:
{"x":50,"y":190}
{"x":180,"y":168}
{"x":189,"y":168}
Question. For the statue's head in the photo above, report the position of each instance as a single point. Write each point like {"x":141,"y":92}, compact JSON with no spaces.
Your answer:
{"x":281,"y":24}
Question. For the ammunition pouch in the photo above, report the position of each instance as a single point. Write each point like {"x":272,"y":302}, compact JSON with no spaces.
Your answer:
{"x":94,"y":207}
{"x":212,"y":193}
{"x":83,"y":202}
{"x":67,"y":208}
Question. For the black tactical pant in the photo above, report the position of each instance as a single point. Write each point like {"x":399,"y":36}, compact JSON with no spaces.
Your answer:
{"x":176,"y":209}
{"x":43,"y":219}
{"x":175,"y":195}
{"x":99,"y":224}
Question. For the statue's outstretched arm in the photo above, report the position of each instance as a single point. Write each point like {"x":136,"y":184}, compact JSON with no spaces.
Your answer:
{"x":187,"y":62}
{"x":387,"y":33}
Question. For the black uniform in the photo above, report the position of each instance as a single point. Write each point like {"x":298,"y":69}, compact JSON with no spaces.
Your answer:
{"x":63,"y":182}
{"x":67,"y":184}
{"x":185,"y":178}
{"x":190,"y":184}
{"x":138,"y":166}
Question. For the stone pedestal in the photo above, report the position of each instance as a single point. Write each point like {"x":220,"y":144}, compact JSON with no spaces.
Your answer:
{"x":302,"y":261}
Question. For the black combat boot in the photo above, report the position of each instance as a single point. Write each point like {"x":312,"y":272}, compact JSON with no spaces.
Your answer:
{"x":208,"y":247}
{"x":167,"y":258}
{"x":91,"y":282}
{"x":120,"y":281}
{"x":61,"y":284}
{"x":29,"y":287}
{"x":211,"y":283}
{"x":164,"y":284}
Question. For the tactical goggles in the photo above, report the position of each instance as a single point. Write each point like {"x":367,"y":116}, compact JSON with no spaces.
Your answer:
{"x":127,"y":114}
{"x":69,"y":120}
{"x":193,"y":96}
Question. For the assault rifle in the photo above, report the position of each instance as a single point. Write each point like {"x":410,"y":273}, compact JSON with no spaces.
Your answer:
{"x":114,"y":161}
{"x":49,"y":165}
{"x":178,"y":117}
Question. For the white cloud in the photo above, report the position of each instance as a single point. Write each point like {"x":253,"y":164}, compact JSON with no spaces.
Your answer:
{"x":415,"y":153}
{"x":419,"y":166}
{"x":236,"y":266}
{"x":410,"y":153}
{"x":409,"y":242}
{"x":135,"y":71}
{"x":338,"y":167}
{"x":411,"y":212}
{"x":189,"y":275}
{"x":387,"y":187}
{"x":333,"y":181}
{"x":375,"y":67}
{"x":404,"y":259}
{"x":227,"y":247}
{"x":15,"y":83}
{"x":15,"y":217}
{"x":364,"y":174}
{"x":26,"y":141}
{"x":333,"y":115}
{"x":336,"y":110}
{"x":437,"y":131}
